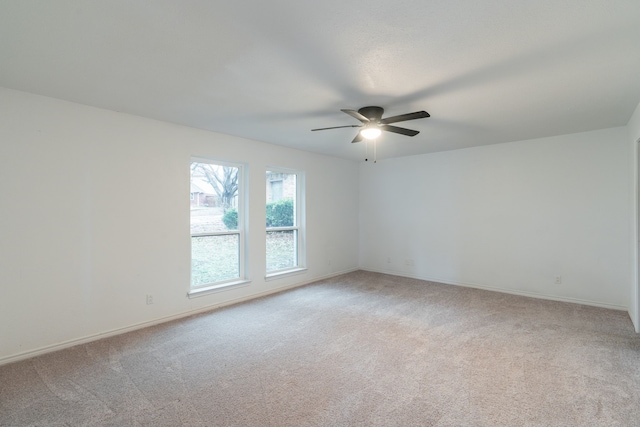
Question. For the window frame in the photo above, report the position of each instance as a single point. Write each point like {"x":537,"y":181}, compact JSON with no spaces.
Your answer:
{"x":298,"y":227}
{"x":241,"y":232}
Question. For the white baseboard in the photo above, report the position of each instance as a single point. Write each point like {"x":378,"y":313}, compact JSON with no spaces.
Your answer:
{"x":503,"y":290}
{"x":94,"y":337}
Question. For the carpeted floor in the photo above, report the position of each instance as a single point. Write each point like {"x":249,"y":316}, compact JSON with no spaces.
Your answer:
{"x":362,"y":349}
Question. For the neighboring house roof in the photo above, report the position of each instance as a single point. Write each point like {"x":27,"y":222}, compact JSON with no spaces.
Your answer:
{"x":201,"y":186}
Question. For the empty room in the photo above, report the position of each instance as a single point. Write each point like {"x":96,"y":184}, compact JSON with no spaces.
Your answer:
{"x":343,"y":213}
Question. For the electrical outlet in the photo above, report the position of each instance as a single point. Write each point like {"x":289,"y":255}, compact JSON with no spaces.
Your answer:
{"x":409,"y":262}
{"x":149,"y":299}
{"x":558,"y":280}
{"x":389,"y":260}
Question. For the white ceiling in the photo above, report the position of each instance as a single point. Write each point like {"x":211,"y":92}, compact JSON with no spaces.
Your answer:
{"x":487,"y":71}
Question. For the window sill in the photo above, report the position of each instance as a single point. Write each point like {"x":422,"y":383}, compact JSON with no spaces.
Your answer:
{"x":285,"y":273}
{"x":194,"y":293}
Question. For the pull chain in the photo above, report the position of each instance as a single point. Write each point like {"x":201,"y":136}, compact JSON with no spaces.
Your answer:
{"x":375,"y":158}
{"x":366,"y":150}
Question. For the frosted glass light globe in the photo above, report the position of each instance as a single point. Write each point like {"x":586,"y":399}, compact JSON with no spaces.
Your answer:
{"x":370,"y":132}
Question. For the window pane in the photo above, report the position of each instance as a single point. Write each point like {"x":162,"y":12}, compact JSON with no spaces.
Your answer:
{"x":281,"y":199}
{"x":282,"y":251}
{"x":214,"y":197}
{"x":214,"y":259}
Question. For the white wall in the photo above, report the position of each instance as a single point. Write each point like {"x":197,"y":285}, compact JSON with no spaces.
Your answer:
{"x":95,"y":215}
{"x":634,"y":135}
{"x":508,"y":217}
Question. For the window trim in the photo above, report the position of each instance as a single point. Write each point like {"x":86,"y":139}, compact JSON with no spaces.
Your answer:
{"x":299,"y":227}
{"x":219,"y":286}
{"x":293,"y":271}
{"x":241,"y":232}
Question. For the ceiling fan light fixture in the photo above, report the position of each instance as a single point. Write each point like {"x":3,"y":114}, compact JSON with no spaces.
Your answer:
{"x":370,"y":132}
{"x":372,"y":123}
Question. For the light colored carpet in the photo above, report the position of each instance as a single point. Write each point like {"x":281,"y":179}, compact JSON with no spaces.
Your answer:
{"x":362,"y":349}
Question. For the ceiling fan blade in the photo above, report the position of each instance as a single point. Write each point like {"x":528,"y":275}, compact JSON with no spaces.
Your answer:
{"x":358,"y":138}
{"x":401,"y":131}
{"x":404,"y":117}
{"x":338,"y":127}
{"x":356,"y":115}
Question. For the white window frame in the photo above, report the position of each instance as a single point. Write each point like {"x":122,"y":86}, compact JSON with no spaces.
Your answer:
{"x":299,"y":225}
{"x":241,"y":232}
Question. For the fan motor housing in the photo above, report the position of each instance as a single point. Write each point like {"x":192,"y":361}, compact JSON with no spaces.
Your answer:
{"x":372,"y":113}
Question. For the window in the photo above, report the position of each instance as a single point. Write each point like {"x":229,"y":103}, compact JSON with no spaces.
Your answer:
{"x":284,"y":221}
{"x":217,"y":224}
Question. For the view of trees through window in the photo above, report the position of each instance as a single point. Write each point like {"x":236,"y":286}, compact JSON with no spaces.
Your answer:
{"x":215,"y":235}
{"x":217,"y":227}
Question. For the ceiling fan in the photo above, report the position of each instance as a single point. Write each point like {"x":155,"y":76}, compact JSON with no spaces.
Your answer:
{"x":373,"y":123}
